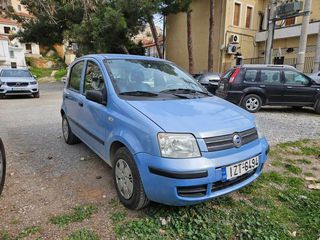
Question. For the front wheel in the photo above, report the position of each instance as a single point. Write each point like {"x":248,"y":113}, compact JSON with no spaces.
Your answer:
{"x":2,"y":166}
{"x":317,"y":108}
{"x":252,"y":103}
{"x":36,"y":95}
{"x":127,"y":181}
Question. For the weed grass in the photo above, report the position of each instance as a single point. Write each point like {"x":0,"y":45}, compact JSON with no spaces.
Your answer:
{"x":79,"y":214}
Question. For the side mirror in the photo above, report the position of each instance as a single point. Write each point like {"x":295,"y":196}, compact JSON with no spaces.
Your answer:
{"x":35,"y":76}
{"x":96,"y":96}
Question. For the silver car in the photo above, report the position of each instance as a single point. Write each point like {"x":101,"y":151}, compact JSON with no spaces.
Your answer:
{"x":2,"y":166}
{"x":18,"y":82}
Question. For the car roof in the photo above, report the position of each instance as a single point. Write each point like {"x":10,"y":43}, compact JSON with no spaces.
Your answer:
{"x":267,"y":66}
{"x":120,"y":56}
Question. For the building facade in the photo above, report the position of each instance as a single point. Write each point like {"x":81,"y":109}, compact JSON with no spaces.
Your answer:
{"x":13,"y":52}
{"x":239,"y":30}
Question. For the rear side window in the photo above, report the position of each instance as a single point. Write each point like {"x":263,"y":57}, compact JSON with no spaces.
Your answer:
{"x":270,"y":76}
{"x":251,"y":75}
{"x":75,"y":76}
{"x":295,"y":78}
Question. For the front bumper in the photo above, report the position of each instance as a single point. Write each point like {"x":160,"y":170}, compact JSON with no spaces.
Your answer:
{"x":25,"y":90}
{"x":170,"y":181}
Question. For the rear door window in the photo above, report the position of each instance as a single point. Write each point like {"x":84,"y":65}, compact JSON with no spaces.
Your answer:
{"x":251,"y":75}
{"x":270,"y":77}
{"x":75,"y":76}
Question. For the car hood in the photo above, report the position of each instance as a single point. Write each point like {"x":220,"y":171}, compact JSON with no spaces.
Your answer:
{"x":16,"y":79}
{"x":203,"y":117}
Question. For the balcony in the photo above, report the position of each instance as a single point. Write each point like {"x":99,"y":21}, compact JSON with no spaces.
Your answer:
{"x":288,"y":32}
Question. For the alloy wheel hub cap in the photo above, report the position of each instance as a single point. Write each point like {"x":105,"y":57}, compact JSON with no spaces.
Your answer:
{"x":252,"y":103}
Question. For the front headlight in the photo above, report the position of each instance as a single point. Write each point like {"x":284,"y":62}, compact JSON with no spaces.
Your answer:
{"x":260,"y":133}
{"x":33,"y":82}
{"x":175,"y":145}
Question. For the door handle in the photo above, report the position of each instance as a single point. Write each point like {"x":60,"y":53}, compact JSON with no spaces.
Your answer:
{"x":289,"y":87}
{"x":80,"y":104}
{"x":263,"y":86}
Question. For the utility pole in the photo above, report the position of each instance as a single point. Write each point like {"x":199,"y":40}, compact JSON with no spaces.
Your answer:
{"x":304,"y":35}
{"x":316,"y":66}
{"x":271,"y":26}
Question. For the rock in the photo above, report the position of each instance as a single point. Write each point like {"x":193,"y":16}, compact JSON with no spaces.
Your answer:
{"x":313,"y":179}
{"x":50,"y":157}
{"x":293,"y":234}
{"x":163,"y":221}
{"x":98,"y":177}
{"x":11,"y":174}
{"x":162,"y":232}
{"x":82,"y":159}
{"x":104,"y":196}
{"x":314,"y":186}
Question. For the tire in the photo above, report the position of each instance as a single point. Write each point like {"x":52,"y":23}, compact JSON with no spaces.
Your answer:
{"x":252,"y":103}
{"x":36,"y":95}
{"x":317,"y":107}
{"x":2,"y":166}
{"x":127,"y":180}
{"x":67,"y":133}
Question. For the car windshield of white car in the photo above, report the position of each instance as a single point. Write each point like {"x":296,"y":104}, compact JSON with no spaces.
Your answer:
{"x":15,"y":73}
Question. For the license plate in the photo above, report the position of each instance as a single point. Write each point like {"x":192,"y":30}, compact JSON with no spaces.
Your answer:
{"x":19,"y":89}
{"x":241,"y":168}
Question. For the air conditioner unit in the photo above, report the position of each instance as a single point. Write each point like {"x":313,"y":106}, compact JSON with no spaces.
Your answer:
{"x":232,"y":49}
{"x":234,"y":39}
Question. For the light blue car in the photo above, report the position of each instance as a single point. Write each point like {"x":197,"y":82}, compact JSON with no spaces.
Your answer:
{"x":167,"y":139}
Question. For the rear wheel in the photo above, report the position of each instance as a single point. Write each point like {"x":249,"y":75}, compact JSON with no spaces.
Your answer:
{"x":252,"y":103}
{"x":127,"y":181}
{"x":2,"y":166}
{"x":68,"y":135}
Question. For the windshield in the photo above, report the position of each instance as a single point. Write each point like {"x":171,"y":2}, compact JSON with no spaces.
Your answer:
{"x":15,"y":73}
{"x":150,"y":76}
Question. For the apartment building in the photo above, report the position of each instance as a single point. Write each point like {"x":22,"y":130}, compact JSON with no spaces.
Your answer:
{"x":12,"y":51}
{"x":239,"y":31}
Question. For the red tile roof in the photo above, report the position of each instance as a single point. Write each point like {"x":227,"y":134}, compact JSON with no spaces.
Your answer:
{"x":8,"y":21}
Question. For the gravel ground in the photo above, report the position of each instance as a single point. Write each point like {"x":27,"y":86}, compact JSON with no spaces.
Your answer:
{"x":46,"y":177}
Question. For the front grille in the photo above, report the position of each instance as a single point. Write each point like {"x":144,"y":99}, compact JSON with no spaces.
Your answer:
{"x":192,"y":191}
{"x":17,"y":84}
{"x":226,"y":141}
{"x":18,"y":92}
{"x":216,"y":186}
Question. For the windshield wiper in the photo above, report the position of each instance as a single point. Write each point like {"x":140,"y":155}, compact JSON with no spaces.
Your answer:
{"x":139,"y":94}
{"x":185,"y":90}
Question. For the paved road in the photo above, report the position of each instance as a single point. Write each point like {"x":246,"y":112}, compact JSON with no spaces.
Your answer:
{"x":47,"y":177}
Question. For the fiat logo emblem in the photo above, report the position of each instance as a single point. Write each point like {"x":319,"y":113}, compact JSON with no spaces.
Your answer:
{"x":237,"y":141}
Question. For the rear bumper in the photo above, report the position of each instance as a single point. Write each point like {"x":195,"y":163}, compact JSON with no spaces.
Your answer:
{"x":182,"y":182}
{"x":231,"y":96}
{"x":26,"y":90}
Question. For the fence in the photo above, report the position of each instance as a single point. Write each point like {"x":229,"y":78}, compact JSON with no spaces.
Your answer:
{"x":308,"y":64}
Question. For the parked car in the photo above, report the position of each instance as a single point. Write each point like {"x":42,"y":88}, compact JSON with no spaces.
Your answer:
{"x":2,"y":166}
{"x":252,"y":86}
{"x":315,"y":77}
{"x":18,"y":82}
{"x":209,"y":80}
{"x":167,"y":139}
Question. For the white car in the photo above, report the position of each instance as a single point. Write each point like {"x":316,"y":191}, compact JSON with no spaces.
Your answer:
{"x":18,"y":82}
